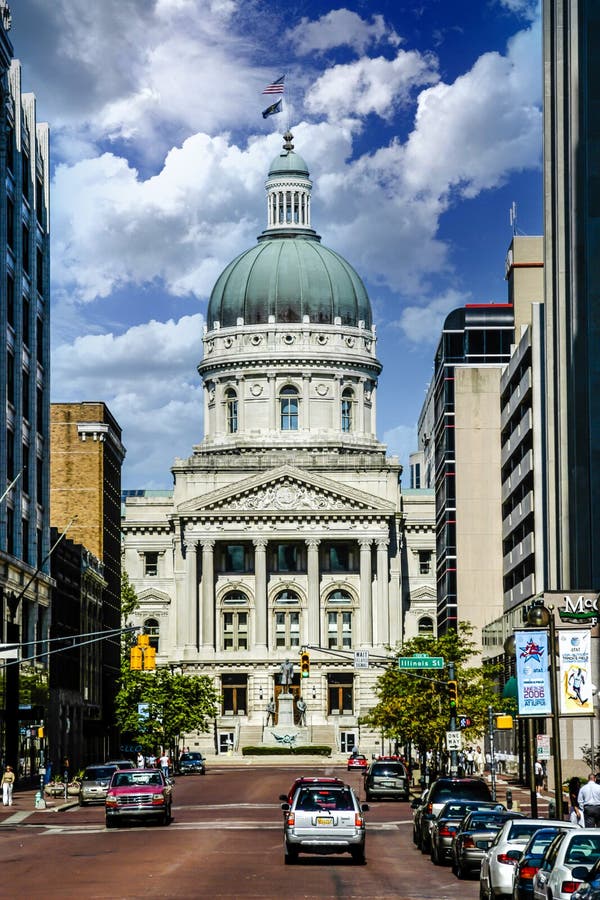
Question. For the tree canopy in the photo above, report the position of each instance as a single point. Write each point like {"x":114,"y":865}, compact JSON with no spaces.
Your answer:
{"x":414,"y":705}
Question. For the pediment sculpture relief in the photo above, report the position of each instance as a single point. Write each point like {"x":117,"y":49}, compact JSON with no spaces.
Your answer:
{"x":288,"y":496}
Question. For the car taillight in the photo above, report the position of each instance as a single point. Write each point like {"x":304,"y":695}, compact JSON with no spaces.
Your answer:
{"x":569,"y":887}
{"x":430,"y":808}
{"x":468,"y":842}
{"x":445,"y":831}
{"x":291,"y":819}
{"x":358,"y":820}
{"x":506,"y":859}
{"x":528,"y":871}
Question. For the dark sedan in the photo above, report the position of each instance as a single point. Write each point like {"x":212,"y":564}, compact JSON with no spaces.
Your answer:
{"x":191,"y":763}
{"x":477,"y":831}
{"x":446,"y":824}
{"x":531,"y":860}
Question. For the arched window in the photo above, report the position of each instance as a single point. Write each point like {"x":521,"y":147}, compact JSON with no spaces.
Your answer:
{"x":426,"y":626}
{"x":232,"y":410}
{"x":234,"y":621}
{"x":339,"y":596}
{"x":287,"y":597}
{"x":289,"y":405}
{"x":152,"y":629}
{"x":347,"y":410}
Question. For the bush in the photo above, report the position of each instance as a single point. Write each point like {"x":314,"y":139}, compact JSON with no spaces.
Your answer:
{"x":319,"y":750}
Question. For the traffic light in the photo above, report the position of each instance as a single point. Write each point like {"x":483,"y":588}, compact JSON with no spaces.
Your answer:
{"x":453,"y":695}
{"x":149,"y":657}
{"x":135,"y":658}
{"x":304,"y":664}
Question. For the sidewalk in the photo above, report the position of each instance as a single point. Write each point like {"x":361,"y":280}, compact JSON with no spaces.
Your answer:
{"x":24,"y":804}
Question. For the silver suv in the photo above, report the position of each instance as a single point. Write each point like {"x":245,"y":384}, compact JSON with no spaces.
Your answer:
{"x":324,"y":819}
{"x":95,"y":782}
{"x":387,"y":778}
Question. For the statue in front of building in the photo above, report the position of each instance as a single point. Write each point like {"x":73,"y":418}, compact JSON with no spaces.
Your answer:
{"x":286,"y":674}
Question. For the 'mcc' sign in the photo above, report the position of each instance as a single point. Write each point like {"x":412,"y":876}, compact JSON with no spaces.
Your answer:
{"x":583,"y":608}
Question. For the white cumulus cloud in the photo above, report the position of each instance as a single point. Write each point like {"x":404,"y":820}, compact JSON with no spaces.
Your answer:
{"x":422,"y":324}
{"x":339,"y":28}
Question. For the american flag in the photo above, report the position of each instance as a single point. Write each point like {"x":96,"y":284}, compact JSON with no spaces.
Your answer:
{"x":276,"y":87}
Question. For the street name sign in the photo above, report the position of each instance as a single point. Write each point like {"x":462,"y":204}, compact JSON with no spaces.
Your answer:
{"x":420,"y":661}
{"x":543,"y":746}
{"x":454,"y":740}
{"x":361,"y":659}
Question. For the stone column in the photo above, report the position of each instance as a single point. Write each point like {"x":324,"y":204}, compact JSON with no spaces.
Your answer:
{"x":273,"y":424}
{"x":188,"y":639}
{"x":362,"y":408}
{"x":383,"y":599}
{"x":313,"y":629}
{"x":208,"y":595}
{"x":305,"y":410}
{"x":366,"y":593}
{"x":260,"y":592}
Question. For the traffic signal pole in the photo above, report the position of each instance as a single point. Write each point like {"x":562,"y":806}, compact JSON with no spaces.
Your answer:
{"x":453,"y":753}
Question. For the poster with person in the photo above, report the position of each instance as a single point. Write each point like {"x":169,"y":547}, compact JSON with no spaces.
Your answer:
{"x":575,"y":683}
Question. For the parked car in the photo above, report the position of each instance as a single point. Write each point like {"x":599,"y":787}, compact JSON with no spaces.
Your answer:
{"x":590,"y":888}
{"x":387,"y":778}
{"x":475,"y":834}
{"x":446,"y":824}
{"x":324,"y":819}
{"x":313,"y":780}
{"x":121,"y":763}
{"x":441,"y":791}
{"x":191,"y":763}
{"x":566,"y":862}
{"x":358,"y":762}
{"x":531,"y":859}
{"x":138,"y":794}
{"x":500,"y":860}
{"x":94,"y":783}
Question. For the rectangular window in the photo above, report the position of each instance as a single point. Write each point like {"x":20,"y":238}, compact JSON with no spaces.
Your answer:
{"x":339,"y":558}
{"x":39,"y":409}
{"x":39,"y":270}
{"x":25,"y":175}
{"x":10,"y":149}
{"x":288,"y":558}
{"x":10,"y":300}
{"x":235,"y":558}
{"x":10,"y":531}
{"x":346,"y":415}
{"x":287,"y":629}
{"x":151,"y":564}
{"x":25,"y":539}
{"x":39,"y":200}
{"x":26,"y":476}
{"x":39,"y":345}
{"x":25,"y":249}
{"x":25,"y":319}
{"x":39,"y":474}
{"x":340,"y":694}
{"x":10,"y":377}
{"x":424,"y":562}
{"x":235,"y":691}
{"x":25,"y":393}
{"x":10,"y":223}
{"x":40,"y":547}
{"x":339,"y":630}
{"x":289,"y":413}
{"x":235,"y":631}
{"x":10,"y":454}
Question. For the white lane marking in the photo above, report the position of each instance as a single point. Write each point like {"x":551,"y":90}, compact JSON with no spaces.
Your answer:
{"x":187,"y":826}
{"x":16,"y":818}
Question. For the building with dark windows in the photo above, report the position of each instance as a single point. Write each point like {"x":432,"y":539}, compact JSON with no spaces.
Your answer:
{"x":25,"y":584}
{"x":474,"y":345}
{"x":87,"y":457}
{"x":572,"y":283}
{"x":284,"y":528}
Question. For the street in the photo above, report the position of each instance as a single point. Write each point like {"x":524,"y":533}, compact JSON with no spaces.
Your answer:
{"x":225,"y":841}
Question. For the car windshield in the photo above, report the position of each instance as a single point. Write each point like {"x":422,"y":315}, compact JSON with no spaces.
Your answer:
{"x":584,"y":849}
{"x":315,"y":800}
{"x":521,"y":831}
{"x":456,"y":809}
{"x":97,"y":773}
{"x":539,"y":842}
{"x":484,"y":820}
{"x":392,"y":769}
{"x":187,"y":757}
{"x":472,"y":790}
{"x":135,"y":779}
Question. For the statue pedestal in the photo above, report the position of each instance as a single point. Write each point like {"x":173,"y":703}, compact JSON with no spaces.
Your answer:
{"x":286,"y":710}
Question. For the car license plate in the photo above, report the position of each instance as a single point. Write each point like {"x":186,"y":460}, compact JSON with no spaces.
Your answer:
{"x":324,"y":820}
{"x":389,"y":784}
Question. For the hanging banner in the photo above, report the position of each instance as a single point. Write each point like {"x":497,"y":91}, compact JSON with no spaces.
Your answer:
{"x":533,"y":677}
{"x":575,"y":683}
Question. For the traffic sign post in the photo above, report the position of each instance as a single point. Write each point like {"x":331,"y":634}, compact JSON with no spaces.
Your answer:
{"x":453,"y":741}
{"x":420,"y":661}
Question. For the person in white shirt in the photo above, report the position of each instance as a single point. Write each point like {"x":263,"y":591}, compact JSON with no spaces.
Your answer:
{"x":588,"y":800}
{"x":164,"y":764}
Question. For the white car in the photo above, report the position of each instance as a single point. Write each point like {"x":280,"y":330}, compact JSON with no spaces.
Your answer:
{"x":570,"y":850}
{"x":499,"y":861}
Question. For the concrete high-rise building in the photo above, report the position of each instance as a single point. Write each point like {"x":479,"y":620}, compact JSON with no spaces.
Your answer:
{"x":571,"y":30}
{"x":85,"y":492}
{"x":25,"y":584}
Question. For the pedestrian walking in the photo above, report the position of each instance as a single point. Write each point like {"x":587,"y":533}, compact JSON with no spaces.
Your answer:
{"x":8,"y":780}
{"x":588,"y":800}
{"x":575,"y":813}
{"x":164,"y":764}
{"x":140,"y":760}
{"x":539,"y":778}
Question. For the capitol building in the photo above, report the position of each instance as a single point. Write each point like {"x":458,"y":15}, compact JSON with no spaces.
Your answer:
{"x":287,"y":526}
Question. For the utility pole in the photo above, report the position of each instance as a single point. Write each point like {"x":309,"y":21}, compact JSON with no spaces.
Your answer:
{"x":453,"y":704}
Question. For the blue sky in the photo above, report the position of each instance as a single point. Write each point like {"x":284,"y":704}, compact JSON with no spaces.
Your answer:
{"x":420,"y":123}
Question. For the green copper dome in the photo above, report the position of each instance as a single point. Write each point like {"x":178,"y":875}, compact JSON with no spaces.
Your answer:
{"x":289,"y":278}
{"x":289,"y":275}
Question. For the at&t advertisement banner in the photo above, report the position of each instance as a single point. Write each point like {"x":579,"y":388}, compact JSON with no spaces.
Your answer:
{"x":533,"y":677}
{"x":575,"y":691}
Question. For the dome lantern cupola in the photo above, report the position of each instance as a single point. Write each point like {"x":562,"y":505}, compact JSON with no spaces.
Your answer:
{"x":288,"y":191}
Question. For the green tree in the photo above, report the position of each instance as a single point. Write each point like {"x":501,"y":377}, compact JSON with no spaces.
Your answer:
{"x":129,"y":605}
{"x":413,"y":706}
{"x":155,"y":708}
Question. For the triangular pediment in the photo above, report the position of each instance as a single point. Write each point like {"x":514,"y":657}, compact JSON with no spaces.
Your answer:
{"x":423,"y":594}
{"x":287,"y":489}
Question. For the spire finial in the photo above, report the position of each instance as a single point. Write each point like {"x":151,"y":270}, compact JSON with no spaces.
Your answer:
{"x":287,"y":140}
